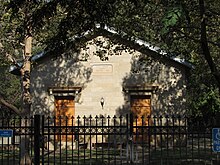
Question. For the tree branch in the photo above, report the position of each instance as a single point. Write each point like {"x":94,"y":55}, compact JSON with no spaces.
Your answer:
{"x":8,"y":105}
{"x":197,"y":40}
{"x":204,"y":44}
{"x":12,"y":60}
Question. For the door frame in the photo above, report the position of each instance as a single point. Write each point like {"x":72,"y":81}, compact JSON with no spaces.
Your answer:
{"x":73,"y":92}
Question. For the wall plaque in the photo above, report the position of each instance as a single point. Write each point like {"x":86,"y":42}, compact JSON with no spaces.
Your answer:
{"x":102,"y":69}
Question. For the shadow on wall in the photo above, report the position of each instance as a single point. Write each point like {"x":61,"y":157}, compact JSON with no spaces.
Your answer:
{"x":170,"y":96}
{"x":60,"y":72}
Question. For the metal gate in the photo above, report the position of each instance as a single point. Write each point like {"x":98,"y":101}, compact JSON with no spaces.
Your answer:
{"x":107,"y":140}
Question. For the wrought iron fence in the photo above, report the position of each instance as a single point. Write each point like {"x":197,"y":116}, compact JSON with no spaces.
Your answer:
{"x":107,"y":140}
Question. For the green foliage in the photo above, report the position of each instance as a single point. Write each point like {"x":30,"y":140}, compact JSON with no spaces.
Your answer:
{"x":203,"y":93}
{"x":52,"y":24}
{"x":9,"y":89}
{"x":172,"y":25}
{"x":175,"y":26}
{"x":170,"y":19}
{"x":206,"y":103}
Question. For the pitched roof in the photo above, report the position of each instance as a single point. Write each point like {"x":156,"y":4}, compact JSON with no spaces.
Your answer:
{"x":153,"y":48}
{"x":110,"y":32}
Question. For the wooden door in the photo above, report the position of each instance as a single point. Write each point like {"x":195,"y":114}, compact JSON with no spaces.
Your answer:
{"x":65,"y":110}
{"x":141,"y":109}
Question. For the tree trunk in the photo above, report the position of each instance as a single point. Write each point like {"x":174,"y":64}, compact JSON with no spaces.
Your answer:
{"x":25,"y":77}
{"x":26,"y":100}
{"x":205,"y":46}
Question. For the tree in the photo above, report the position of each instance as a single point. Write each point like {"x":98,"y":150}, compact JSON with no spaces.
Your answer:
{"x":197,"y":24}
{"x":24,"y":19}
{"x":189,"y":29}
{"x":186,"y":29}
{"x":10,"y":94}
{"x":53,"y":25}
{"x":22,"y":31}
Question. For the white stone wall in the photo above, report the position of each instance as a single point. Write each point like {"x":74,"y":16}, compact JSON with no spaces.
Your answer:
{"x":106,"y":79}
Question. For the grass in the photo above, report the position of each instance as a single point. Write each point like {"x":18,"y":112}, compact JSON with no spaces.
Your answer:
{"x":183,"y":156}
{"x":156,"y":156}
{"x":82,"y":156}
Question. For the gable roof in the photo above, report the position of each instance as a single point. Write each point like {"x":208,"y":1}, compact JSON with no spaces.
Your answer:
{"x":111,"y":33}
{"x":146,"y":45}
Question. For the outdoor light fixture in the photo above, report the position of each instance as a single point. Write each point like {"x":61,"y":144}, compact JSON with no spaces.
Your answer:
{"x":50,"y":91}
{"x":102,"y":101}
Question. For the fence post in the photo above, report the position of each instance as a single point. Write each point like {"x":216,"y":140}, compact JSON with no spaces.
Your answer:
{"x":37,"y":139}
{"x":217,"y":124}
{"x":131,"y":139}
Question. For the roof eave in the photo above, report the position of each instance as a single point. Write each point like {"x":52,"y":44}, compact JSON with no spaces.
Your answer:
{"x":14,"y":70}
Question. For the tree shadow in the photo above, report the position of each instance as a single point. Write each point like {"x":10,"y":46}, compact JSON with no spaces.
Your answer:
{"x":159,"y":77}
{"x":62,"y":71}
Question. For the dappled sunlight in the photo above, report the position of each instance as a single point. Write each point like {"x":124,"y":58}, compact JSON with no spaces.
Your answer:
{"x":119,"y":72}
{"x":168,"y":78}
{"x":61,"y":72}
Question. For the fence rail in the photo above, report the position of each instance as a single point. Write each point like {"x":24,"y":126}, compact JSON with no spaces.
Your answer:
{"x":108,"y":140}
